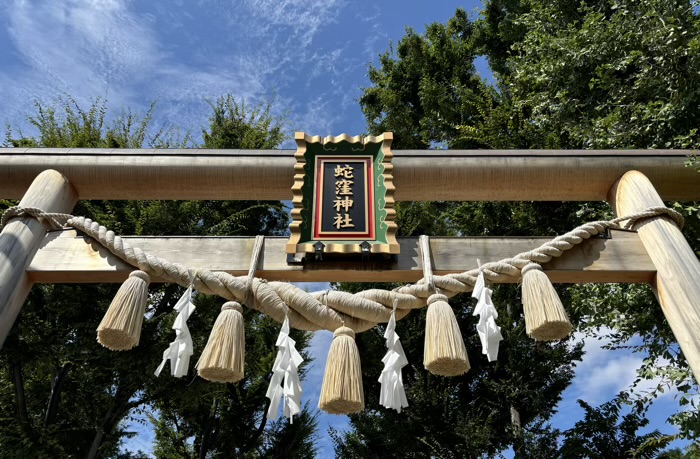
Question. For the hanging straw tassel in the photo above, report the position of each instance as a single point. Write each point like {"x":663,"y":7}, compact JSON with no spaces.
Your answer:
{"x":223,"y":357}
{"x":341,"y":391}
{"x":545,"y":317}
{"x":445,"y":353}
{"x":120,"y":328}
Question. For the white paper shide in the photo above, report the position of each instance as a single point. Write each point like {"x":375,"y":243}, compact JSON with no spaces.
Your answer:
{"x":392,"y":393}
{"x":181,"y":349}
{"x":489,"y":332}
{"x":285,"y":382}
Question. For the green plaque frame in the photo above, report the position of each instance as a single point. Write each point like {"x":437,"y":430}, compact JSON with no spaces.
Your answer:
{"x":368,"y":156}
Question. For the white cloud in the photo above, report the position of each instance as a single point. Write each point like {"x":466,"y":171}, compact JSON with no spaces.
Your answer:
{"x":600,"y":379}
{"x":303,"y":18}
{"x":83,"y":41}
{"x":377,"y":40}
{"x":86,"y":48}
{"x":91,"y":48}
{"x":603,"y":373}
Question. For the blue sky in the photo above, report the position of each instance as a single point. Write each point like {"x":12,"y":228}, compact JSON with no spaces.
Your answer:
{"x":309,"y":57}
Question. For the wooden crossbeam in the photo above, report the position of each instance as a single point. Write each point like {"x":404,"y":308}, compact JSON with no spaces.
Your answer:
{"x":66,"y":257}
{"x":419,"y":175}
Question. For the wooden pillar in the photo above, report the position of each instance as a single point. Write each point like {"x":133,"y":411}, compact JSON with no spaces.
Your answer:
{"x":20,"y":238}
{"x":677,"y":284}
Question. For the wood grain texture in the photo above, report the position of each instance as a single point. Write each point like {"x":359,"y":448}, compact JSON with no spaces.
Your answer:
{"x":66,"y":257}
{"x":677,"y":285}
{"x":21,"y":238}
{"x":419,"y":175}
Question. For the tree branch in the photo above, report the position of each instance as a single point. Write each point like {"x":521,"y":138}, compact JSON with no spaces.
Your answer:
{"x":55,"y":397}
{"x":206,"y":434}
{"x":252,"y":440}
{"x":110,"y":420}
{"x":162,"y":306}
{"x":20,"y":400}
{"x":515,"y":418}
{"x":518,"y":437}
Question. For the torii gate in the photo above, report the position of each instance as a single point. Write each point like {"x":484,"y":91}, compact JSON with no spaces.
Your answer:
{"x":54,"y":179}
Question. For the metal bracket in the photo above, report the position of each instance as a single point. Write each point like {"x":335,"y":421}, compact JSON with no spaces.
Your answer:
{"x":365,"y":250}
{"x":293,"y":260}
{"x":605,"y":234}
{"x":318,"y":250}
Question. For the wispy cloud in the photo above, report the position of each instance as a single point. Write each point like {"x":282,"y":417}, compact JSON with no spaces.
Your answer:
{"x":303,"y":18}
{"x":91,"y":48}
{"x":80,"y":47}
{"x":602,"y":375}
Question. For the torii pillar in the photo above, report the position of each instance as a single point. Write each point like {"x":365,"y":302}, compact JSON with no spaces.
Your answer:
{"x":677,"y":285}
{"x":21,"y":237}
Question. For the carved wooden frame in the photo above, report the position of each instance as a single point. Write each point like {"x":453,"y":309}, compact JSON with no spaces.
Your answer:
{"x":384,"y":173}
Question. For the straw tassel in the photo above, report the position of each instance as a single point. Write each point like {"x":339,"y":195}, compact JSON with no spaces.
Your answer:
{"x":445,"y":353}
{"x":341,"y":392}
{"x":223,"y":357}
{"x":545,"y":317}
{"x":120,"y":328}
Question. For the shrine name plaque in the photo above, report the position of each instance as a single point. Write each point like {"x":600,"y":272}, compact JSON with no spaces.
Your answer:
{"x":343,"y":196}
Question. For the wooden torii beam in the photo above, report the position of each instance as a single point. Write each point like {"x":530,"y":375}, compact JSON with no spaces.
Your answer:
{"x":66,"y":257}
{"x":27,"y":253}
{"x":419,"y":175}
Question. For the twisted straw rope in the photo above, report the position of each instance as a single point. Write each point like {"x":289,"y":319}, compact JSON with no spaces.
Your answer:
{"x":331,"y":309}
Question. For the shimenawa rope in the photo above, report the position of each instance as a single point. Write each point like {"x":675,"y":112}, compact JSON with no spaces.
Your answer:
{"x":360,"y":311}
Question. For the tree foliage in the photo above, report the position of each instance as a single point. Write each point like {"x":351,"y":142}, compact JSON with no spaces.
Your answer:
{"x":602,"y":434}
{"x":613,"y":74}
{"x":427,"y":88}
{"x":62,"y":395}
{"x":589,"y":74}
{"x":232,"y":125}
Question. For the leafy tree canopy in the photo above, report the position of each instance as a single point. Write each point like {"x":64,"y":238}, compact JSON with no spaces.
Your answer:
{"x":590,"y":74}
{"x":62,"y":395}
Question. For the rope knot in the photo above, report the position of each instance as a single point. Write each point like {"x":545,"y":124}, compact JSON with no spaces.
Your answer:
{"x":54,"y":220}
{"x":653,"y":212}
{"x":141,"y":275}
{"x":530,"y":266}
{"x":229,"y":305}
{"x":344,"y":331}
{"x":436,"y":297}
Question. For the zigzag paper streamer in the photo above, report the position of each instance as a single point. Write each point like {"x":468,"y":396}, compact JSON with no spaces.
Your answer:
{"x":489,"y":332}
{"x":181,"y":349}
{"x":392,"y":394}
{"x":285,"y":382}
